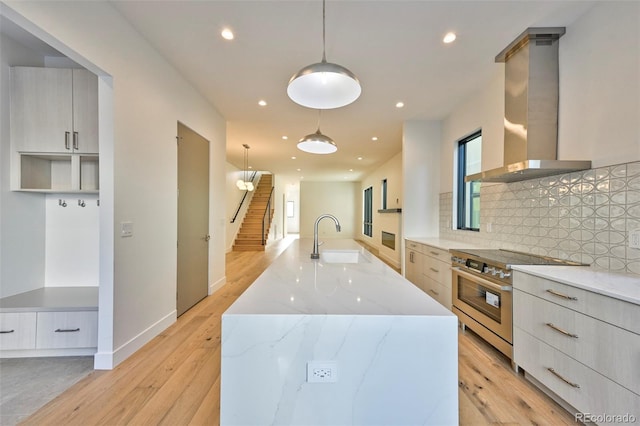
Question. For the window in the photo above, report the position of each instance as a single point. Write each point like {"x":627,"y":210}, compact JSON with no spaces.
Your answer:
{"x":469,"y":162}
{"x":384,"y":194}
{"x":290,"y":211}
{"x":367,"y":228}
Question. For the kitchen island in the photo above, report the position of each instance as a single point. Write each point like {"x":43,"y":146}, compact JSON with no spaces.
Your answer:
{"x":340,"y":340}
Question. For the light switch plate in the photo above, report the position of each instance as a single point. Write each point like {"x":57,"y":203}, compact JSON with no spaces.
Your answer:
{"x":126,"y":229}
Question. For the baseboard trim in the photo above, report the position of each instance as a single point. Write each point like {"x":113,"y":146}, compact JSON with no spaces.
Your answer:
{"x":213,"y":287}
{"x":109,"y":360}
{"x":36,"y":353}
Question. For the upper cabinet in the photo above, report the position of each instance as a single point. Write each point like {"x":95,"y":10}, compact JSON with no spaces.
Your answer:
{"x":54,"y":130}
{"x":54,"y":110}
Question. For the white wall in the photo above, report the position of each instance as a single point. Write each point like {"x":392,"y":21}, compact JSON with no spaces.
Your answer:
{"x":149,"y":98}
{"x":292,"y":193}
{"x":600,"y":86}
{"x":599,"y":101}
{"x":421,"y":169}
{"x":22,"y":215}
{"x":389,"y":222}
{"x":336,"y":198}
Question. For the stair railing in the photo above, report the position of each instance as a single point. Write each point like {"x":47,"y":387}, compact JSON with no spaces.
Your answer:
{"x":266,"y":217}
{"x":243,"y":198}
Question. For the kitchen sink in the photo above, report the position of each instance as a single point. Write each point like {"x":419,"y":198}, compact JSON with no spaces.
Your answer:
{"x":342,"y":256}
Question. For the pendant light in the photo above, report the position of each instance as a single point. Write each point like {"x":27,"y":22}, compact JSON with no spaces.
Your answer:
{"x":245,"y":184}
{"x":324,"y":85}
{"x":317,"y":143}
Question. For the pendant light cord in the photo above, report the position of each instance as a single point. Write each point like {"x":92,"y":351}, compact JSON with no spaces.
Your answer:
{"x":324,"y":56}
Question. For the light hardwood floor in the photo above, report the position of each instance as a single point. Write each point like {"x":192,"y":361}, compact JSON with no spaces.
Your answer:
{"x":175,"y":378}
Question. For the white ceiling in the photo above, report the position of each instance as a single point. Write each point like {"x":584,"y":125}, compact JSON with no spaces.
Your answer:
{"x":394,"y":47}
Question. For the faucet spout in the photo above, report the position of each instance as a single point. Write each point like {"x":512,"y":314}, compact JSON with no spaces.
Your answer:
{"x":316,"y":254}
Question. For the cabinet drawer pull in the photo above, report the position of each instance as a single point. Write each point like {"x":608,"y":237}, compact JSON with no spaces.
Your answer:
{"x":564,"y":296}
{"x":435,"y":253}
{"x":552,"y":371}
{"x":558,"y":329}
{"x":66,"y":140}
{"x":69,"y":330}
{"x":434,"y":270}
{"x":6,"y":331}
{"x":75,"y":140}
{"x":433,"y":291}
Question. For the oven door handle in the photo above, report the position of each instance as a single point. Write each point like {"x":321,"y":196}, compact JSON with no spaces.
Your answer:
{"x":481,"y":280}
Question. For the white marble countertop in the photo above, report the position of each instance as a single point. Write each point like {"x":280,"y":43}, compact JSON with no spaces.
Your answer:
{"x":442,"y":243}
{"x":296,"y":284}
{"x":617,"y":285}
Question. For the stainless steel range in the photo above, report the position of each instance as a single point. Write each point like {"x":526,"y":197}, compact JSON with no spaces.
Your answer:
{"x":482,"y":291}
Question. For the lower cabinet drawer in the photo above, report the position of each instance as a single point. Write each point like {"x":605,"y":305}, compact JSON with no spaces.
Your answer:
{"x":17,"y":330}
{"x":437,"y":269}
{"x":581,"y":387}
{"x":585,"y":339}
{"x":438,"y":291}
{"x":77,"y":329}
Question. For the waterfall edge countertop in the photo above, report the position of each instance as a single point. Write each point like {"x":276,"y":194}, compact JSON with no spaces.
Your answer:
{"x":296,"y":284}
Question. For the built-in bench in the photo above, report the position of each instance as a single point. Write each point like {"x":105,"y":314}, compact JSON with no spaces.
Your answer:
{"x":49,"y":321}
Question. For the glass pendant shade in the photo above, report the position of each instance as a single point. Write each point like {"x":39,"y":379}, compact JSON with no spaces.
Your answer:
{"x":317,"y":143}
{"x":324,"y":85}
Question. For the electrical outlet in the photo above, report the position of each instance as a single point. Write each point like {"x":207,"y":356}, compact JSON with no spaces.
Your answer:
{"x":322,"y":372}
{"x":126,"y":229}
{"x":634,"y":239}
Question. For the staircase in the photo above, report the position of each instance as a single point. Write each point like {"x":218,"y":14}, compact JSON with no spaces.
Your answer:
{"x":249,"y":237}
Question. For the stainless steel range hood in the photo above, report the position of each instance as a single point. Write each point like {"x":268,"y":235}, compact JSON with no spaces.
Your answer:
{"x":531,"y":110}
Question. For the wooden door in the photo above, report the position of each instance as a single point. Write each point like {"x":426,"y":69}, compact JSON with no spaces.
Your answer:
{"x":41,"y":109}
{"x":193,"y":218}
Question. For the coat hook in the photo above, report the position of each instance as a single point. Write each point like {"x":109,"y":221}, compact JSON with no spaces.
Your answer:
{"x":81,"y":203}
{"x":62,"y":203}
{"x":98,"y":203}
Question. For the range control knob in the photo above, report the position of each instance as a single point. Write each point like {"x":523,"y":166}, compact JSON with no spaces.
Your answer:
{"x":490,"y":269}
{"x":504,"y":274}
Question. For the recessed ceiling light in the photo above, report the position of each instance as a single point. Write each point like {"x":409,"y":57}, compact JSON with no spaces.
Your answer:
{"x":251,"y":167}
{"x":285,"y":137}
{"x":293,"y":158}
{"x":350,"y":170}
{"x":227,"y":34}
{"x":399,"y":104}
{"x":262,"y":102}
{"x":375,"y":138}
{"x":359,"y":158}
{"x":298,"y":170}
{"x":449,"y":38}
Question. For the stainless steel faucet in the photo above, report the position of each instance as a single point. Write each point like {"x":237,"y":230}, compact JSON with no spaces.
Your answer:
{"x":316,"y":253}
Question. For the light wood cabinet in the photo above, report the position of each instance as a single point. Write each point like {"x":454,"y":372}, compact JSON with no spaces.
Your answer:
{"x":49,"y":321}
{"x":437,"y":271}
{"x":54,"y":130}
{"x":413,"y":264}
{"x":17,"y":330}
{"x":54,"y":110}
{"x":429,"y":268}
{"x":581,"y":345}
{"x":67,"y":330}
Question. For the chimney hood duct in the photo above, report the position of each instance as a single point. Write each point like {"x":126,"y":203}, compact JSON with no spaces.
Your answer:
{"x":531,"y":110}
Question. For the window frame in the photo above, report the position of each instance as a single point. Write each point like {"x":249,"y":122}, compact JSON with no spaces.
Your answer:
{"x":367,"y":212}
{"x":462,"y":209}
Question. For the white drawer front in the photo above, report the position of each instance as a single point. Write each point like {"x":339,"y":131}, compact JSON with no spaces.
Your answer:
{"x":17,"y":330}
{"x":596,"y":394}
{"x":437,"y":270}
{"x":608,"y":349}
{"x":614,"y":311}
{"x":67,"y":330}
{"x":438,"y":291}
